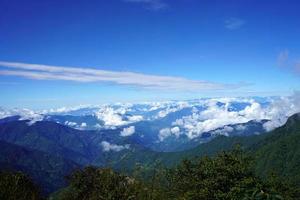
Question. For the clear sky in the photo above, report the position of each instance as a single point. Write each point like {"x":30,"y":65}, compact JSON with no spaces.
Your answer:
{"x":97,"y":51}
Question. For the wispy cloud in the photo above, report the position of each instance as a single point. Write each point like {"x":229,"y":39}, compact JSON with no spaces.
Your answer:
{"x":234,"y":23}
{"x":285,"y":62}
{"x":297,"y":68}
{"x":80,"y":74}
{"x":150,"y":4}
{"x":282,"y":58}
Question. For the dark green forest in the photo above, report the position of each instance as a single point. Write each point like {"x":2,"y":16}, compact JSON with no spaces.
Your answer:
{"x":228,"y":175}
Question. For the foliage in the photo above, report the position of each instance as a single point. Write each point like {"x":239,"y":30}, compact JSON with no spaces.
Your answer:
{"x":17,"y":186}
{"x":226,"y":175}
{"x":229,"y":175}
{"x":280,"y":152}
{"x":102,"y":184}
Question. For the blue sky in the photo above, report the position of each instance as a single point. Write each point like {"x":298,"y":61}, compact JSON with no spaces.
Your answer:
{"x":173,"y":49}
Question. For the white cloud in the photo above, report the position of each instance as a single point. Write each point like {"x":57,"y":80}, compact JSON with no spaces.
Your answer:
{"x":128,"y":131}
{"x":234,"y":23}
{"x":25,"y":114}
{"x":223,"y":131}
{"x":170,"y":107}
{"x":110,"y":117}
{"x":166,"y":132}
{"x":150,"y":4}
{"x":69,"y":110}
{"x":281,"y":109}
{"x":46,"y":72}
{"x":135,"y":118}
{"x":175,"y":131}
{"x":213,"y":117}
{"x":113,"y":117}
{"x":205,"y":114}
{"x":106,"y":146}
{"x":216,"y":116}
{"x":70,"y":123}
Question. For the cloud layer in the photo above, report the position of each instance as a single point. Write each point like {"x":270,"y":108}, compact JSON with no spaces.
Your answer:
{"x":46,"y":72}
{"x":189,"y":118}
{"x":220,"y":112}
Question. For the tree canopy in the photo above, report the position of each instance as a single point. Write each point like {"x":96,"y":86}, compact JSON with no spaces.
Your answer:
{"x":17,"y":186}
{"x":227,"y":176}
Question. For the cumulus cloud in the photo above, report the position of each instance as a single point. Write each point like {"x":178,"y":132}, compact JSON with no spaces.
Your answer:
{"x":150,"y":4}
{"x":234,"y":23}
{"x":128,"y":131}
{"x":172,"y":107}
{"x":46,"y":72}
{"x":202,"y":115}
{"x":215,"y":115}
{"x":113,"y":117}
{"x":106,"y":146}
{"x":166,"y":132}
{"x":281,"y":109}
{"x":110,"y":117}
{"x":175,"y":131}
{"x":25,"y":114}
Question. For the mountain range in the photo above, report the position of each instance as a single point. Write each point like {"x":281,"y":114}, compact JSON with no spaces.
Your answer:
{"x":49,"y":146}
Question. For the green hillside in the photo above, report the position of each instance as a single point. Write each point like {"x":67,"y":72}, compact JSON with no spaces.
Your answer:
{"x":47,"y":170}
{"x":280,"y":151}
{"x":276,"y":151}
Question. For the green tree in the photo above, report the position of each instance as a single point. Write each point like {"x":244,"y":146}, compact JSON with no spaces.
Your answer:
{"x":102,"y":184}
{"x":17,"y":186}
{"x":228,"y":176}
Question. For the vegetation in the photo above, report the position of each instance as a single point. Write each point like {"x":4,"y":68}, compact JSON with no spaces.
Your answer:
{"x":265,"y":167}
{"x":280,"y":152}
{"x":229,"y":175}
{"x":17,"y":186}
{"x":100,"y":184}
